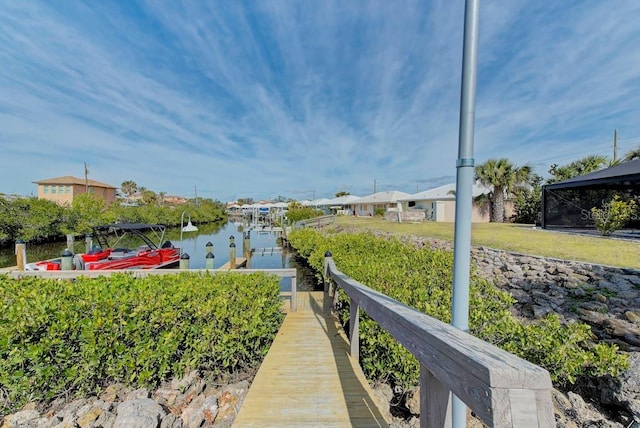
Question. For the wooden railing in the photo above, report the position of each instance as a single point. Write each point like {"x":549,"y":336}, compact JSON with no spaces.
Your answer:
{"x":141,"y":273}
{"x":502,"y":389}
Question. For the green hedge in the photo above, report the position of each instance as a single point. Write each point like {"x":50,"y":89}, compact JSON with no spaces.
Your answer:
{"x":58,"y":337}
{"x":422,"y":278}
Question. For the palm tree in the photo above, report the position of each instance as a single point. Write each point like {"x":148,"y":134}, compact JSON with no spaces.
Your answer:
{"x":633,"y":154}
{"x":576,"y":168}
{"x":129,"y":188}
{"x":503,"y":177}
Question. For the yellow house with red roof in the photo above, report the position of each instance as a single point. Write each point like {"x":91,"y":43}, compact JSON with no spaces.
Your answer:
{"x":62,"y":190}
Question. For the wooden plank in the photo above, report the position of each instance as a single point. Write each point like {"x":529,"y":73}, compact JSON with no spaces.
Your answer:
{"x":240,"y":262}
{"x":472,"y":369}
{"x":354,"y":333}
{"x":435,"y":401}
{"x":308,"y":378}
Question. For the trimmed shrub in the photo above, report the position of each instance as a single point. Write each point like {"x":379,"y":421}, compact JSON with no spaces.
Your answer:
{"x":60,"y":337}
{"x":422,"y":278}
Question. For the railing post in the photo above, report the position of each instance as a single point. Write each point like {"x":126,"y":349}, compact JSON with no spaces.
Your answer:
{"x":354,"y":335}
{"x":435,"y":401}
{"x":294,"y":294}
{"x":327,"y":278}
{"x":21,"y":254}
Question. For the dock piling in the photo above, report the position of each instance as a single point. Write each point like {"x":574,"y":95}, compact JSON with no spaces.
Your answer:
{"x":88,"y":242}
{"x":184,"y":261}
{"x":232,"y":252}
{"x":208,"y":261}
{"x":66,"y":259}
{"x":70,"y":242}
{"x":246,"y":247}
{"x":21,"y":254}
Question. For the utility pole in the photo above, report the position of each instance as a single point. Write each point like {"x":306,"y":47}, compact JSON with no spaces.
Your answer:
{"x":615,"y":145}
{"x":86,"y":178}
{"x":374,"y":185}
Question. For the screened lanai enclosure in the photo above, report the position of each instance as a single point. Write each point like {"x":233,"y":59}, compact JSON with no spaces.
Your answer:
{"x":568,"y":203}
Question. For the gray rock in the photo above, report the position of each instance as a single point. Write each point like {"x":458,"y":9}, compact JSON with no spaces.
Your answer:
{"x":577,"y":292}
{"x":202,"y":409}
{"x":412,"y":400}
{"x":105,"y":420}
{"x":22,"y":419}
{"x":634,"y":280}
{"x":580,"y":278}
{"x":521,"y":296}
{"x":115,"y":392}
{"x":139,"y":413}
{"x":68,"y":412}
{"x":563,"y":270}
{"x":138,"y":393}
{"x":166,"y":396}
{"x":384,"y":396}
{"x":171,"y":421}
{"x":515,"y":269}
{"x":541,"y":311}
{"x":600,"y":298}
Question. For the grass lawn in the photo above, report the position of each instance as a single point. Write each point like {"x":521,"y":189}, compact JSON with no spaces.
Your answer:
{"x":518,"y":238}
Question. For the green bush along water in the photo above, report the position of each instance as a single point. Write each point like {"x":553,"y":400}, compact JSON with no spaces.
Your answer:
{"x":62,"y":337}
{"x":422,"y":278}
{"x":38,"y":220}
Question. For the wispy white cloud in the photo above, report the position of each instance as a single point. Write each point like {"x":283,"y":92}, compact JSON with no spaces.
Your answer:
{"x":261,"y":98}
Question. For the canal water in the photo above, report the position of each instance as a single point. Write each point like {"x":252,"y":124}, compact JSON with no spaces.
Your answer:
{"x":267,"y":254}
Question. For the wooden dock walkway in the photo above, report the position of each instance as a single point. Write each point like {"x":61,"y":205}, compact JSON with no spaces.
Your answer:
{"x":240,"y":262}
{"x":308,"y":378}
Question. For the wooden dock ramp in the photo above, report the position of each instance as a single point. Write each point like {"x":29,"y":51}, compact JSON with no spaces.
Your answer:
{"x":308,"y":378}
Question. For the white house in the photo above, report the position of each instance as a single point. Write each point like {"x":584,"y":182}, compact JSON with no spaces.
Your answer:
{"x":388,"y":201}
{"x":343,"y":205}
{"x":439,"y":204}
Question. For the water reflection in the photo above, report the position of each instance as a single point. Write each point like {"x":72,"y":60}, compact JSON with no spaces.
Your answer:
{"x":267,"y":254}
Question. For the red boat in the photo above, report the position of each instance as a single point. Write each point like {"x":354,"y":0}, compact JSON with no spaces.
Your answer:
{"x":131,"y":247}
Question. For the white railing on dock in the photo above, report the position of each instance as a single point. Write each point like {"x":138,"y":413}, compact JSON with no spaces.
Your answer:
{"x":141,"y":273}
{"x":502,"y":389}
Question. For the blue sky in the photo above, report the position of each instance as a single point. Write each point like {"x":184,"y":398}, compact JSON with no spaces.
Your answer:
{"x":299,"y":98}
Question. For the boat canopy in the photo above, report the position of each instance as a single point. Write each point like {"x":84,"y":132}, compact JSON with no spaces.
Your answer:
{"x":120,"y":230}
{"x":129,"y":226}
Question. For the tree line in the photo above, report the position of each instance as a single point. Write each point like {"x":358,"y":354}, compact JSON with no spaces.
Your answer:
{"x":522,"y":186}
{"x":40,"y":220}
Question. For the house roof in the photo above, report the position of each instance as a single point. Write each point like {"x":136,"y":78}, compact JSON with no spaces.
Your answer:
{"x":317,"y":202}
{"x":626,"y":171}
{"x":343,"y":200}
{"x":445,"y":193}
{"x":382,"y":198}
{"x":67,"y":179}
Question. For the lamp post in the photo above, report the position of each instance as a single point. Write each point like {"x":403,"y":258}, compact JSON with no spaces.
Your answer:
{"x":190,"y":227}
